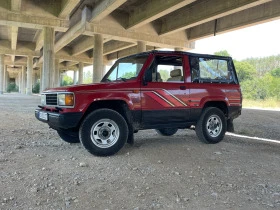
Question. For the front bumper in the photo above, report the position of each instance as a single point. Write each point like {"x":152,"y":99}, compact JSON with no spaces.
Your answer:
{"x":60,"y":121}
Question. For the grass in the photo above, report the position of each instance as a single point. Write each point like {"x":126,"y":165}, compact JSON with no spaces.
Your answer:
{"x":265,"y":104}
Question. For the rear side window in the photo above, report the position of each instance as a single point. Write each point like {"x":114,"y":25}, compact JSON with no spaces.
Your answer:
{"x":210,"y":70}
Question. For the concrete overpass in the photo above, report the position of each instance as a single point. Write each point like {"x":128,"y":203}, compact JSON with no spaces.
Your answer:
{"x":40,"y":38}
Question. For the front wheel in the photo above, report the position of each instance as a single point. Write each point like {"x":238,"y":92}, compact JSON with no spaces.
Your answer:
{"x":103,"y":132}
{"x":211,"y":127}
{"x":167,"y":131}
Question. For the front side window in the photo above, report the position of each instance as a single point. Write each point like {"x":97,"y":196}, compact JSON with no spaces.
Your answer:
{"x":125,"y":69}
{"x":210,"y":69}
{"x":166,"y":69}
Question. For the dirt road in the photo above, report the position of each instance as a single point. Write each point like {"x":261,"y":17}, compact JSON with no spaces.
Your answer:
{"x":39,"y":171}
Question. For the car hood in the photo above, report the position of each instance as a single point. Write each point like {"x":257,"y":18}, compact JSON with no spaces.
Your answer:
{"x":91,"y":87}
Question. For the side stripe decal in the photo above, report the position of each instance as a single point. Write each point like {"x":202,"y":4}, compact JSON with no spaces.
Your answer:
{"x":165,"y":98}
{"x":175,"y":97}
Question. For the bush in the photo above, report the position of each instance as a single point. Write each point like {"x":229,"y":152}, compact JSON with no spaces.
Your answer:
{"x":36,"y":88}
{"x":12,"y":87}
{"x":66,"y":81}
{"x":266,"y":87}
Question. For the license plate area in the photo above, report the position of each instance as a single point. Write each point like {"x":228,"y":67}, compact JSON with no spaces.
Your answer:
{"x":43,"y":116}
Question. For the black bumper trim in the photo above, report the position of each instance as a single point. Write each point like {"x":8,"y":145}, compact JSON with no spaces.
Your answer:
{"x":61,"y":121}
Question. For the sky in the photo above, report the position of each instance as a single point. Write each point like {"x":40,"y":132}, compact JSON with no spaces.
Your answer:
{"x":256,"y":41}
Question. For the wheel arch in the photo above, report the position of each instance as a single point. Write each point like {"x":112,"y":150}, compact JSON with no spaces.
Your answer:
{"x":119,"y":106}
{"x":218,"y":104}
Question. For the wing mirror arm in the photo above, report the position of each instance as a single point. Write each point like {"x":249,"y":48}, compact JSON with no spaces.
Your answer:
{"x":144,"y":82}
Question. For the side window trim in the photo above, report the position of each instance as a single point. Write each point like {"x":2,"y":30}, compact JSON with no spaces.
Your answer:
{"x":200,"y":63}
{"x":178,"y":77}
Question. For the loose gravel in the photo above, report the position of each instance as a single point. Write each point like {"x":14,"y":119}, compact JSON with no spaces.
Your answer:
{"x":40,"y":171}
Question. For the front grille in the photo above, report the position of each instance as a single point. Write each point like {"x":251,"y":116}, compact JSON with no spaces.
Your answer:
{"x":51,"y":99}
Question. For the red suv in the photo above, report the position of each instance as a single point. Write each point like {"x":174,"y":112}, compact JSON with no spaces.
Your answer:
{"x":160,"y":90}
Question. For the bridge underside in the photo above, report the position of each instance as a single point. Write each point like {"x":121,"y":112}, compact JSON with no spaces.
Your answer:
{"x":41,"y":38}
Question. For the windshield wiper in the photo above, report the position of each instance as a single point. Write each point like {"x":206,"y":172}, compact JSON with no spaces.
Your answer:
{"x":123,"y":79}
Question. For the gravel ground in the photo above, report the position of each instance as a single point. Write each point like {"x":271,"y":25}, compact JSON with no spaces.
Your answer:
{"x":40,"y":171}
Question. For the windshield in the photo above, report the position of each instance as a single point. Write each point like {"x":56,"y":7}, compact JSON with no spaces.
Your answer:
{"x":125,"y":69}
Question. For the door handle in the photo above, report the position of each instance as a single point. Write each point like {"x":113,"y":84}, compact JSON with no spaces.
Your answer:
{"x":183,"y":88}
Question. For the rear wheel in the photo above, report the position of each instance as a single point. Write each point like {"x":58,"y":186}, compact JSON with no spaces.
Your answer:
{"x":104,"y":132}
{"x":167,"y":131}
{"x":69,"y":136}
{"x":211,"y":127}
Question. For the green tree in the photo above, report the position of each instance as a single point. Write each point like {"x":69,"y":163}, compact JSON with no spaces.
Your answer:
{"x":67,"y":81}
{"x":222,"y":53}
{"x":245,"y":71}
{"x":275,"y":72}
{"x":36,"y":88}
{"x":264,"y":64}
{"x":12,"y":87}
{"x":128,"y":75}
{"x":164,"y":75}
{"x":88,"y":77}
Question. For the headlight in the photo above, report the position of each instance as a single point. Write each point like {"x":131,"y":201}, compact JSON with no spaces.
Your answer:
{"x":65,"y":99}
{"x":43,"y":100}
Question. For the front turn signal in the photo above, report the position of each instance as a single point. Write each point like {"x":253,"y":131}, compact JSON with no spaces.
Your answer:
{"x":66,"y":99}
{"x":69,"y":99}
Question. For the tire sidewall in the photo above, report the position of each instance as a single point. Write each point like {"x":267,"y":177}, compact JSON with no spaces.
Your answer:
{"x":209,"y":112}
{"x":91,"y":119}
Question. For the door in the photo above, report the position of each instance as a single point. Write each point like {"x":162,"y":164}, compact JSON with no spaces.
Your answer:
{"x":164,"y":93}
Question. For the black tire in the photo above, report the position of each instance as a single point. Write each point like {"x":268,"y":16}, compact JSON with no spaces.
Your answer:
{"x":211,"y":126}
{"x":167,"y":131}
{"x":69,"y":136}
{"x":103,"y":132}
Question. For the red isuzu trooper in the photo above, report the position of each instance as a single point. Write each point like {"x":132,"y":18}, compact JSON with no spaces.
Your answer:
{"x":162,"y":90}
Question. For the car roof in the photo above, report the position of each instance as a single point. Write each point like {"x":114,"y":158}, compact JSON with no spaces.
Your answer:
{"x":179,"y":53}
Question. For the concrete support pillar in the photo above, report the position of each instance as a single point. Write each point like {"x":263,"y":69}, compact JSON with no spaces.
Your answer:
{"x":81,"y":73}
{"x":74,"y":77}
{"x":19,"y":78}
{"x":41,"y":74}
{"x":7,"y":79}
{"x":141,"y":46}
{"x":23,"y":79}
{"x":2,"y":73}
{"x":56,"y":73}
{"x":97,"y":58}
{"x":34,"y":79}
{"x":48,"y":56}
{"x":29,"y":75}
{"x":4,"y":78}
{"x":61,"y":76}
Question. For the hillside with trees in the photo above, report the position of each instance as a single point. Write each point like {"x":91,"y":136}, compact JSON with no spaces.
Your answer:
{"x":259,"y":77}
